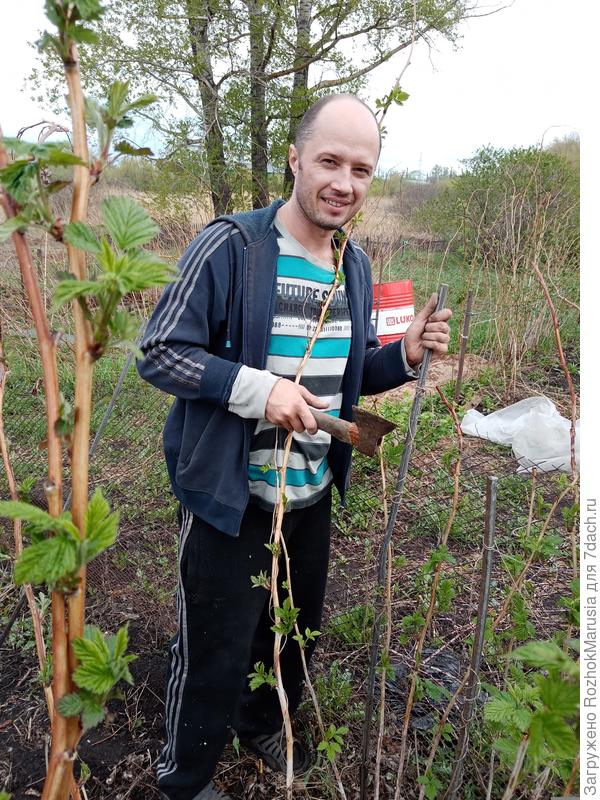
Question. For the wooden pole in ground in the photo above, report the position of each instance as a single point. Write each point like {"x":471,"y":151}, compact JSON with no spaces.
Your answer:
{"x":463,"y":345}
{"x":395,"y":505}
{"x":471,"y":688}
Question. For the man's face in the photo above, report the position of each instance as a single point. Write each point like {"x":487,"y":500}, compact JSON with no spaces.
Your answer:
{"x":335,"y":165}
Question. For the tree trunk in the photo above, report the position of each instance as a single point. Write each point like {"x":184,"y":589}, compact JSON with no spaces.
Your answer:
{"x":258,"y":115}
{"x":300,"y":94}
{"x":199,"y":16}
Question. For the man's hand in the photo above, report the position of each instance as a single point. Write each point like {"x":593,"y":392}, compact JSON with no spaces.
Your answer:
{"x":287,"y":407}
{"x":428,"y":330}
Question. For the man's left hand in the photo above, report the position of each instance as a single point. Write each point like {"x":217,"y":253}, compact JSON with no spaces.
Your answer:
{"x":429,"y":330}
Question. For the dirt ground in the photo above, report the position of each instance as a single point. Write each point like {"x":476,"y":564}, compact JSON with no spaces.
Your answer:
{"x":121,"y":753}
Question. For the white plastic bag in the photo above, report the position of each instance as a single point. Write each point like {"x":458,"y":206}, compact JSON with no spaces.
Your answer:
{"x":537,"y":433}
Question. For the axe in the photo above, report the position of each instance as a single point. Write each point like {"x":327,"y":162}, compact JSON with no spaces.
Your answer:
{"x":365,"y":433}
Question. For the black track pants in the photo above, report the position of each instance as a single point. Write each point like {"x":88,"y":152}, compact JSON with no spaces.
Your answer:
{"x":225,"y":628}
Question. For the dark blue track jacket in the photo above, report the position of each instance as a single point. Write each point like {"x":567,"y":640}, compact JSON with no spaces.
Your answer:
{"x":218,"y":316}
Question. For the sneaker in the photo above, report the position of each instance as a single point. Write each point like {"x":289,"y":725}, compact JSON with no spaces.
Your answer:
{"x":272,"y":749}
{"x":210,"y":792}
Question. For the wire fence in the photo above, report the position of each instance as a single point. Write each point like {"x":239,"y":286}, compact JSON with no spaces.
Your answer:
{"x":135,"y":580}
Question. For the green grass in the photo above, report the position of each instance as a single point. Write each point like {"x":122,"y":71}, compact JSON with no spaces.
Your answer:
{"x":128,"y":463}
{"x":428,"y":270}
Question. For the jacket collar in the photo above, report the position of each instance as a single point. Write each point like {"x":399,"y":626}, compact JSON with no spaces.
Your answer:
{"x":255,"y":225}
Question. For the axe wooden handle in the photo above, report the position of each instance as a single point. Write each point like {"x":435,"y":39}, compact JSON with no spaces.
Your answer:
{"x":339,"y":428}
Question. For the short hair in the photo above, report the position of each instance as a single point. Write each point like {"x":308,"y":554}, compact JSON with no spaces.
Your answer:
{"x":307,"y":123}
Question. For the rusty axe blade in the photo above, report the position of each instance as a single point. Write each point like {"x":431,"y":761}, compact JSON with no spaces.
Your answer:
{"x":365,"y":433}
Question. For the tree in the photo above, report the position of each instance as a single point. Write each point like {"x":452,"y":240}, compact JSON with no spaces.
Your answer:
{"x":235,"y":77}
{"x":495,"y":205}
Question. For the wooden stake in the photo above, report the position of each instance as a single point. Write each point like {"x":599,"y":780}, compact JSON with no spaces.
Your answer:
{"x":464,"y":337}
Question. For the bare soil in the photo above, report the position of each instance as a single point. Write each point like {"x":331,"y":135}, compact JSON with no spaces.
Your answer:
{"x":122,"y":752}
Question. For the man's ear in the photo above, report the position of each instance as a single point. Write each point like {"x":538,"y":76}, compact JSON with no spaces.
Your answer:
{"x":293,"y":158}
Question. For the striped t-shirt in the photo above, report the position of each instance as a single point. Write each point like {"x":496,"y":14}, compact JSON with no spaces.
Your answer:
{"x":303,"y":283}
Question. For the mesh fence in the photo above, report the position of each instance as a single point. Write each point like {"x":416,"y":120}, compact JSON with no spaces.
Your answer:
{"x":135,"y":580}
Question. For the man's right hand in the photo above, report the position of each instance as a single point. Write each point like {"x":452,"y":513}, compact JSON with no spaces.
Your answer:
{"x":287,"y":407}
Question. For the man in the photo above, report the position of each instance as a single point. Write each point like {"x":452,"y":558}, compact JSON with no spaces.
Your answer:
{"x":226,"y":340}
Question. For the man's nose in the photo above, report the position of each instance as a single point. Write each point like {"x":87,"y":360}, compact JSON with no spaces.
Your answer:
{"x":342,"y":182}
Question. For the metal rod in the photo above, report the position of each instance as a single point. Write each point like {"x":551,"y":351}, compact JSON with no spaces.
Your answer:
{"x":13,"y":617}
{"x":471,"y":686}
{"x":395,"y":505}
{"x":463,"y":345}
{"x":113,"y":400}
{"x":378,"y":302}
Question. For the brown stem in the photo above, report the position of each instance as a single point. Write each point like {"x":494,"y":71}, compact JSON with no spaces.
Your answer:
{"x":309,"y":684}
{"x":540,"y":784}
{"x":437,"y":734}
{"x":277,"y":540}
{"x":277,"y":536}
{"x":561,"y":354}
{"x":517,"y":583}
{"x":572,"y":778}
{"x":513,"y":781}
{"x":432,"y":598}
{"x":47,"y":349}
{"x":83,"y":366}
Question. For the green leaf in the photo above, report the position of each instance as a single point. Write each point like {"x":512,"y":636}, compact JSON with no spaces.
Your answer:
{"x":260,"y":676}
{"x":522,"y":719}
{"x":432,"y":785}
{"x":93,"y":713}
{"x":128,"y":223}
{"x":20,"y":180}
{"x":500,"y":708}
{"x":544,"y":655}
{"x":124,"y":328}
{"x":559,"y":736}
{"x":559,"y":696}
{"x":59,"y":157}
{"x":141,"y":102}
{"x":94,"y":114}
{"x":142,"y":270}
{"x":95,"y":676}
{"x":507,"y":748}
{"x":84,"y":35}
{"x":82,"y":236}
{"x":535,"y":746}
{"x":49,"y":42}
{"x":125,"y":148}
{"x":70,"y":289}
{"x":57,"y":186}
{"x":100,"y":525}
{"x":102,"y":663}
{"x":118,"y":643}
{"x":47,"y":561}
{"x":70,"y":705}
{"x":89,"y":9}
{"x":117,"y":94}
{"x":9,"y":226}
{"x":91,"y":645}
{"x":38,"y":521}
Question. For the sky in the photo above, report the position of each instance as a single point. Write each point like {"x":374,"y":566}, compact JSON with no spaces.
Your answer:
{"x":512,"y":79}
